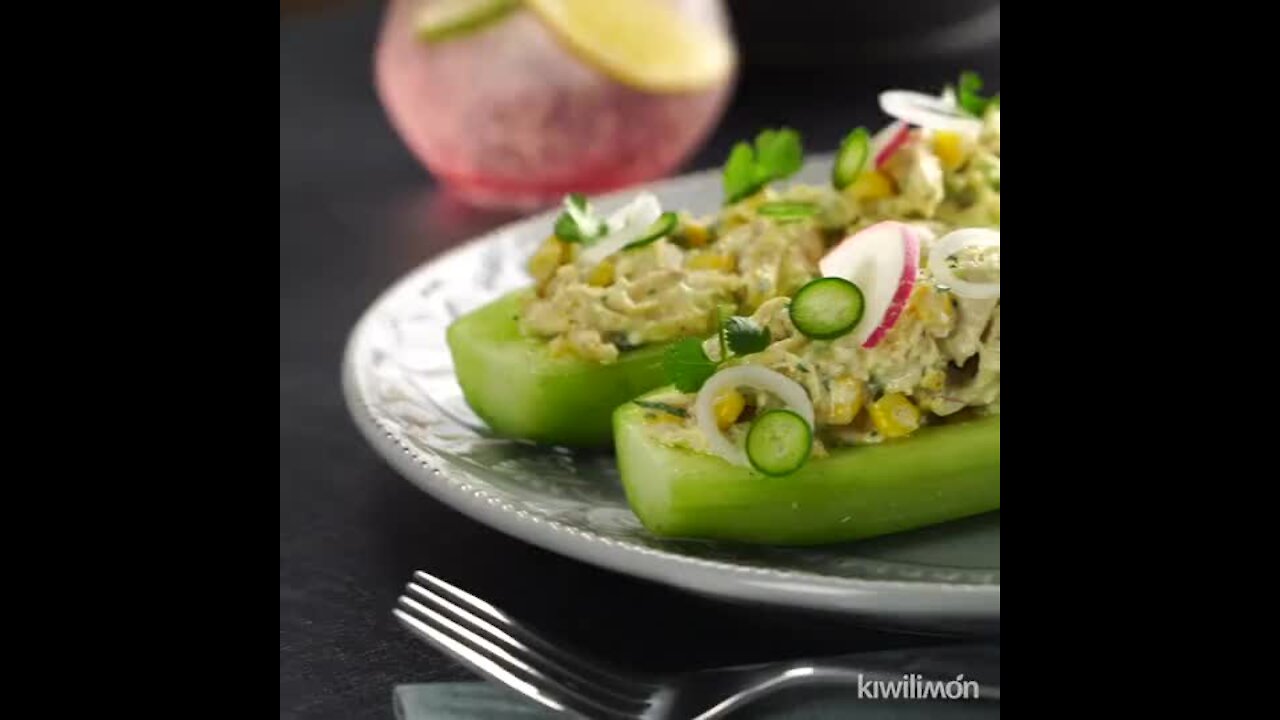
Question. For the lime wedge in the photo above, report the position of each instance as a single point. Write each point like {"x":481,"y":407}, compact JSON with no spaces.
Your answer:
{"x":641,"y":43}
{"x":438,"y":20}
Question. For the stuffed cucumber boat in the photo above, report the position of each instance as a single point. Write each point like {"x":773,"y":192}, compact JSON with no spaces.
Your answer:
{"x":868,"y":403}
{"x":611,"y":295}
{"x":941,"y":474}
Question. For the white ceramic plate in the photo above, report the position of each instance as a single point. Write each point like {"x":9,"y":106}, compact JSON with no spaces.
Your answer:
{"x":400,"y":386}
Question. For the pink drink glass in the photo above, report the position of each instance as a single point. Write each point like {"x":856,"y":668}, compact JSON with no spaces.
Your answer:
{"x":506,"y":116}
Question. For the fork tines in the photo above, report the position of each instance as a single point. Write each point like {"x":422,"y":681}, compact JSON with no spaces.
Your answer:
{"x":490,"y":643}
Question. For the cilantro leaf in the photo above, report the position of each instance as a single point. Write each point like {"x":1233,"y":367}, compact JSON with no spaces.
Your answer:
{"x":777,"y":154}
{"x":746,"y":336}
{"x":724,"y":311}
{"x":687,"y":365}
{"x":567,"y":230}
{"x":740,"y":173}
{"x":569,"y":225}
{"x":969,"y":95}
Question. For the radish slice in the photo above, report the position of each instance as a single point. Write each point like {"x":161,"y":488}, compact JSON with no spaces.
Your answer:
{"x":628,"y":224}
{"x":888,"y":141}
{"x":953,"y":242}
{"x":928,"y":111}
{"x":882,"y":261}
{"x":756,"y":377}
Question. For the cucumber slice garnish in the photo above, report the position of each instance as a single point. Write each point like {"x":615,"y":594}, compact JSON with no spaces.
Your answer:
{"x":851,"y":158}
{"x":446,"y":19}
{"x":782,"y":210}
{"x":662,"y":227}
{"x":779,"y":442}
{"x":827,"y":308}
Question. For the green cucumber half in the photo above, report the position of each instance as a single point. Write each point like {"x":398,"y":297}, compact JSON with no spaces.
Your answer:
{"x":937,"y":474}
{"x":516,"y":386}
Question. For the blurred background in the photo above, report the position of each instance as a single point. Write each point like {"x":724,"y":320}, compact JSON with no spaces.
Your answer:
{"x":370,"y":121}
{"x":809,"y":32}
{"x":507,"y":118}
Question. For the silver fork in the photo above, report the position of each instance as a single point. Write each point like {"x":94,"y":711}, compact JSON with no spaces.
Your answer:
{"x":495,"y":646}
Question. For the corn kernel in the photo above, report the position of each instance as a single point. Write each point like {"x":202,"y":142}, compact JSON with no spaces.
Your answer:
{"x":847,"y":398}
{"x":871,"y":185}
{"x":937,"y":310}
{"x":933,"y":379}
{"x":949,"y":147}
{"x":548,"y":257}
{"x":728,"y":407}
{"x":895,"y":416}
{"x":696,"y":235}
{"x":711,"y":261}
{"x":601,"y":275}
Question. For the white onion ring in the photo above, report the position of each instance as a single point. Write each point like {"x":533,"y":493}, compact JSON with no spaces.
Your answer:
{"x":928,"y":111}
{"x":628,"y":224}
{"x":756,"y":377}
{"x":881,"y":141}
{"x":949,"y":244}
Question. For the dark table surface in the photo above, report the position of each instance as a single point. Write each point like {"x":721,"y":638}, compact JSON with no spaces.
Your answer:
{"x":356,"y":212}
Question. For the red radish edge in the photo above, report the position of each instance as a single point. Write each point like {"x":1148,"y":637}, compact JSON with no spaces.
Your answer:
{"x":902,"y":277}
{"x":910,"y":268}
{"x":891,"y":147}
